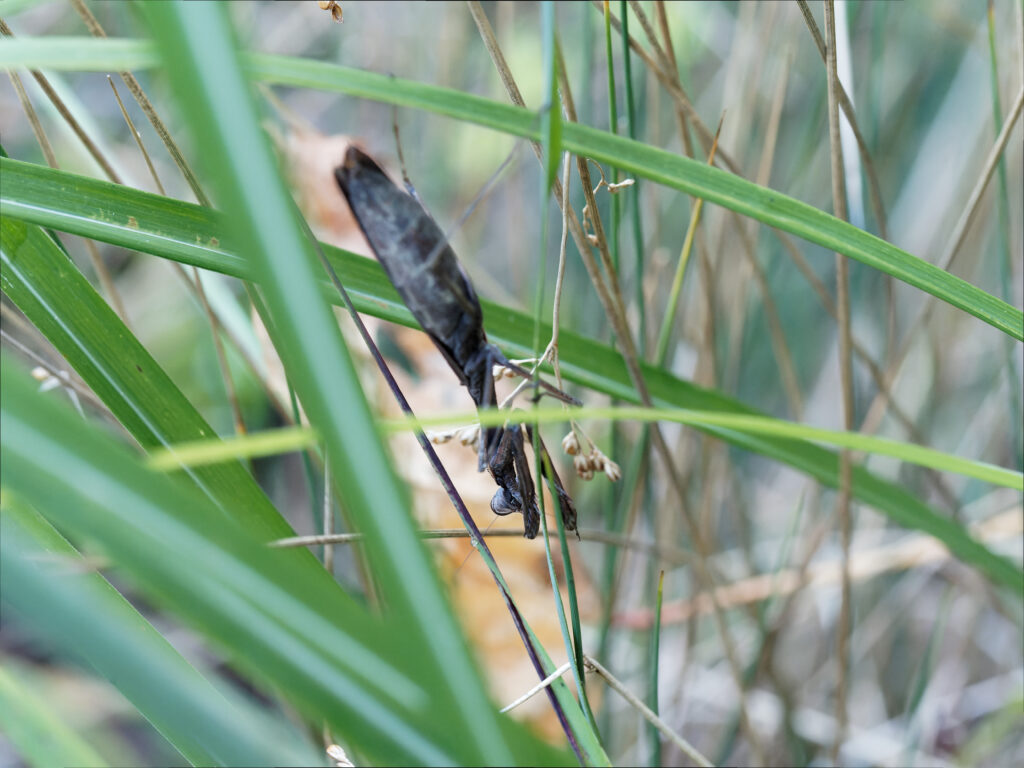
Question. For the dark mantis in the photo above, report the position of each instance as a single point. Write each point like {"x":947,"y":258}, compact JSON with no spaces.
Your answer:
{"x":422,"y":266}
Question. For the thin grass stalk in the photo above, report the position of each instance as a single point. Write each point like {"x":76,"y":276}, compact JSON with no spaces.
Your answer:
{"x":307,"y":470}
{"x":76,"y":389}
{"x":196,"y":282}
{"x":634,"y":192}
{"x":311,"y":453}
{"x":538,"y":687}
{"x":625,"y":340}
{"x":667,"y":74}
{"x":130,"y":81}
{"x":874,"y":189}
{"x":613,"y":519}
{"x":618,"y":523}
{"x":33,"y":119}
{"x":613,"y":245}
{"x":573,"y":641}
{"x":671,"y":555}
{"x":547,"y":14}
{"x":147,"y":108}
{"x":92,"y":24}
{"x":655,"y":670}
{"x":669,"y":79}
{"x":846,"y":381}
{"x":878,"y":406}
{"x":102,"y":273}
{"x":688,"y":749}
{"x":574,"y":614}
{"x":664,"y":335}
{"x":613,"y":126}
{"x":1003,"y":248}
{"x":65,"y":113}
{"x":453,"y":494}
{"x":615,"y":312}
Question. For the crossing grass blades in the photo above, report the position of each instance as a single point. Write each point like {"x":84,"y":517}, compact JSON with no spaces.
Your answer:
{"x":422,"y":266}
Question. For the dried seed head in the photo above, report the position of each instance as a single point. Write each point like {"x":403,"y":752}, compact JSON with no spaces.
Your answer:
{"x":440,"y":438}
{"x":611,"y":469}
{"x":583,"y":466}
{"x":333,"y":6}
{"x":469,"y":435}
{"x":571,"y":444}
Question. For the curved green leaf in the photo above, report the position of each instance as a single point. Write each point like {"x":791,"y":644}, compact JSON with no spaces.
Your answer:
{"x":694,"y":178}
{"x":45,"y":284}
{"x":194,"y":235}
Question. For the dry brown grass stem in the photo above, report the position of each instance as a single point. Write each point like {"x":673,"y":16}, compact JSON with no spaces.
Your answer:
{"x":846,"y":384}
{"x":33,"y":119}
{"x":673,"y":555}
{"x":65,"y":113}
{"x":874,"y":190}
{"x":669,"y":79}
{"x":100,"y":267}
{"x":611,"y":301}
{"x":913,"y":551}
{"x":196,"y":284}
{"x":688,"y":749}
{"x":147,"y":108}
{"x":878,"y":405}
{"x":67,"y":379}
{"x":96,"y":29}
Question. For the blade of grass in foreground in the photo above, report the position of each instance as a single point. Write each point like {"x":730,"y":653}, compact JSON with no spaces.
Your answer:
{"x":307,"y":639}
{"x":38,"y":734}
{"x":204,"y":67}
{"x":766,"y":205}
{"x":750,"y":424}
{"x":47,"y":287}
{"x":51,"y":588}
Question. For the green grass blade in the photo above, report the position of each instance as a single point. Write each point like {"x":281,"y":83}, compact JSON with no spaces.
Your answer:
{"x":38,"y":277}
{"x":684,"y":174}
{"x":177,"y":230}
{"x":550,"y":113}
{"x":50,"y":587}
{"x":314,"y":644}
{"x":694,"y":178}
{"x":205,"y":69}
{"x":39,"y":736}
{"x":655,"y":735}
{"x":633,"y":193}
{"x":751,"y":425}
